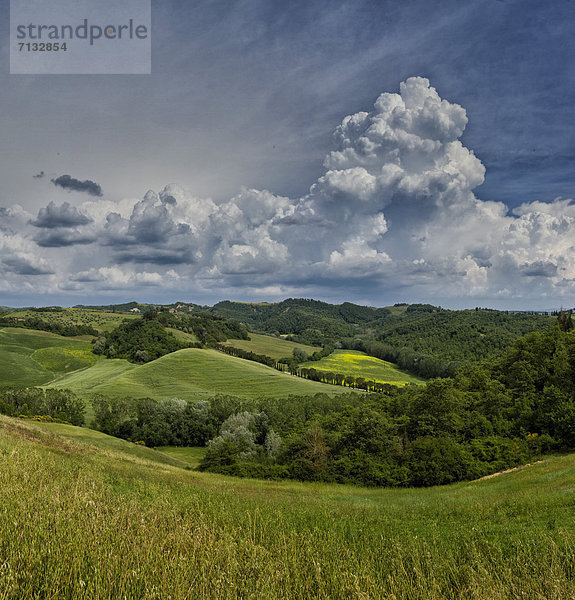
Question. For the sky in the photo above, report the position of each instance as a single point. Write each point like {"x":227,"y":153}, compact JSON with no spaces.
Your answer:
{"x":365,"y":151}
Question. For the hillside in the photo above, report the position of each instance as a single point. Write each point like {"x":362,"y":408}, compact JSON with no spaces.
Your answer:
{"x":358,"y":364}
{"x":449,"y":335}
{"x":101,"y":320}
{"x":317,"y":320}
{"x":29,"y":357}
{"x":189,"y":374}
{"x":88,"y":516}
{"x":442,"y":339}
{"x":270,"y":346}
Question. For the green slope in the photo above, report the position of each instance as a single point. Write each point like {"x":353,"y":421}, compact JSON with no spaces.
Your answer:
{"x":29,"y":357}
{"x":87,"y":516}
{"x":189,"y":374}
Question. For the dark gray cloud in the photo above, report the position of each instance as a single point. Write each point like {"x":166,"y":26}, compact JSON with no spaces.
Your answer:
{"x":39,"y":175}
{"x":65,"y":215}
{"x":62,"y":237}
{"x":157,"y":256}
{"x":539,"y":268}
{"x":69,"y":183}
{"x":22,"y":266}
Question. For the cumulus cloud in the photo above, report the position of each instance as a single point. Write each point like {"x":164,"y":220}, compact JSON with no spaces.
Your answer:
{"x":65,"y":215}
{"x":116,"y":277}
{"x":71,"y":184}
{"x":17,"y":256}
{"x":394,"y":208}
{"x":26,"y":265}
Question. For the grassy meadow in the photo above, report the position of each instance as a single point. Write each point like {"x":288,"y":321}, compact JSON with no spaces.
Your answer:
{"x":85,"y":516}
{"x":189,"y":455}
{"x":29,"y":357}
{"x":189,"y":374}
{"x":359,"y":364}
{"x":270,"y":346}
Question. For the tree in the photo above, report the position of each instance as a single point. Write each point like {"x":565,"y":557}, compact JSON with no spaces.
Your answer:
{"x":317,"y":448}
{"x":272,"y":443}
{"x":564,"y":320}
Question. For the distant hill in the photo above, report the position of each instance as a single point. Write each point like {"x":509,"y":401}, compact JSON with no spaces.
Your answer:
{"x":460,"y":335}
{"x":452,"y":335}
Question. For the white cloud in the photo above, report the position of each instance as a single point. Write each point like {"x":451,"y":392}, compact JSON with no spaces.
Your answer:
{"x":395,"y":207}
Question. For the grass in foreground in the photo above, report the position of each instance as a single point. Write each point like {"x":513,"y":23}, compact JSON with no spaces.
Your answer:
{"x":359,"y":364}
{"x":85,"y":517}
{"x":190,"y":374}
{"x":270,"y":346}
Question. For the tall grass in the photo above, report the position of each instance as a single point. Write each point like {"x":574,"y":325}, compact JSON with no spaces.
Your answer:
{"x":83,"y":516}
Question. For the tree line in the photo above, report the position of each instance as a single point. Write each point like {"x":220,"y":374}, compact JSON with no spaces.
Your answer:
{"x":291,"y":365}
{"x":62,"y":405}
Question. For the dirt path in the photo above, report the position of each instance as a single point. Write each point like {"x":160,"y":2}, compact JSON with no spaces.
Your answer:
{"x":513,"y":469}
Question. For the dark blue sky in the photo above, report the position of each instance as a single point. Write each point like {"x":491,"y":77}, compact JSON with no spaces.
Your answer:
{"x":247,"y":94}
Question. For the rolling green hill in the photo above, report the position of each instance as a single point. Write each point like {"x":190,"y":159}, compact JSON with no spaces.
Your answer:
{"x":29,"y":357}
{"x":88,"y":516}
{"x":189,"y":374}
{"x":270,"y":346}
{"x":358,"y":364}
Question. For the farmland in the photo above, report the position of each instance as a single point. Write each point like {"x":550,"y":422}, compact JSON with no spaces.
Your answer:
{"x":359,"y":364}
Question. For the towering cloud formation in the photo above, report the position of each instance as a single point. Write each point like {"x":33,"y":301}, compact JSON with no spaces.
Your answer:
{"x":395,"y":207}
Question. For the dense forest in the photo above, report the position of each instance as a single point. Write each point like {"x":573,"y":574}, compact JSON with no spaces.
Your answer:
{"x":426,"y":340}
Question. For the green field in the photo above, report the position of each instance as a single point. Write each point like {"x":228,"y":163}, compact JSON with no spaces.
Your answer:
{"x":29,"y":357}
{"x":190,"y":374}
{"x":86,"y":516}
{"x":101,"y":320}
{"x":270,"y":346}
{"x":359,"y":364}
